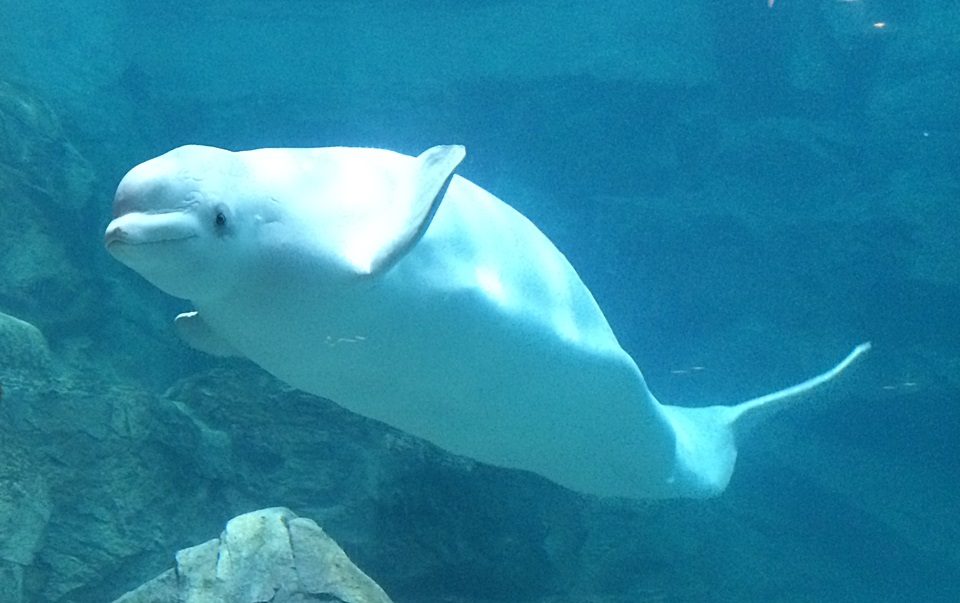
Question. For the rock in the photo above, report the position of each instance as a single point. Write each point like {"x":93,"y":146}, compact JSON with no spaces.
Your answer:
{"x":22,"y":346}
{"x":267,"y":555}
{"x":87,"y":469}
{"x":35,"y":151}
{"x":45,"y":186}
{"x":25,"y":506}
{"x":25,"y":510}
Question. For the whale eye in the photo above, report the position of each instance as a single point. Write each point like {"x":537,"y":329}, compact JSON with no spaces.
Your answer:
{"x":220,"y":219}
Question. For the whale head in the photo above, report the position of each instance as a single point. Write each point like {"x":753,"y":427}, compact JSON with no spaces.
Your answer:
{"x":180,"y":222}
{"x":198,"y":220}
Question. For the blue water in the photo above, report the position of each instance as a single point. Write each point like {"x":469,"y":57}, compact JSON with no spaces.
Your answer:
{"x":748,"y":190}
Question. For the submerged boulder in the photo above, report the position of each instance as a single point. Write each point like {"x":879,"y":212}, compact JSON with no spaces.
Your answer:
{"x":266,"y":555}
{"x":36,"y":153}
{"x":22,"y":346}
{"x":45,"y":187}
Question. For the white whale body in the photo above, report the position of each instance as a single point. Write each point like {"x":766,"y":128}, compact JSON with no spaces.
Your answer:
{"x":410,"y":295}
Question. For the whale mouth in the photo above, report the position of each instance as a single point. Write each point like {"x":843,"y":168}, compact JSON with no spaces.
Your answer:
{"x":138,"y":230}
{"x":119,"y":238}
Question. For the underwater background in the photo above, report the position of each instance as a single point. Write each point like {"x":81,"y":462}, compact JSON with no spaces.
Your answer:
{"x":749,"y":188}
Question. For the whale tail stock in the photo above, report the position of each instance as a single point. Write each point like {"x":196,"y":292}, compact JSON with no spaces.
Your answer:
{"x":706,"y":444}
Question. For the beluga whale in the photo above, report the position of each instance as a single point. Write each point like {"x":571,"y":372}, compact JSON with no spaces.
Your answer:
{"x":410,"y":295}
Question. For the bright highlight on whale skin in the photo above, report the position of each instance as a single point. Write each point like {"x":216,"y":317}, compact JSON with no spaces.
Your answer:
{"x":410,"y":295}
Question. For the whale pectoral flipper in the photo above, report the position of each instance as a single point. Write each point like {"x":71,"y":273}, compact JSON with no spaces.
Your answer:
{"x":434,"y":171}
{"x":196,"y":333}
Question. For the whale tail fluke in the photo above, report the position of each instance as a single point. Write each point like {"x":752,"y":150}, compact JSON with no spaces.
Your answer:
{"x":744,"y":417}
{"x":706,"y":437}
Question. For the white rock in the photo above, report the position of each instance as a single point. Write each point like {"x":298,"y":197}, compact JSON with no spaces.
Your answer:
{"x":267,"y":555}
